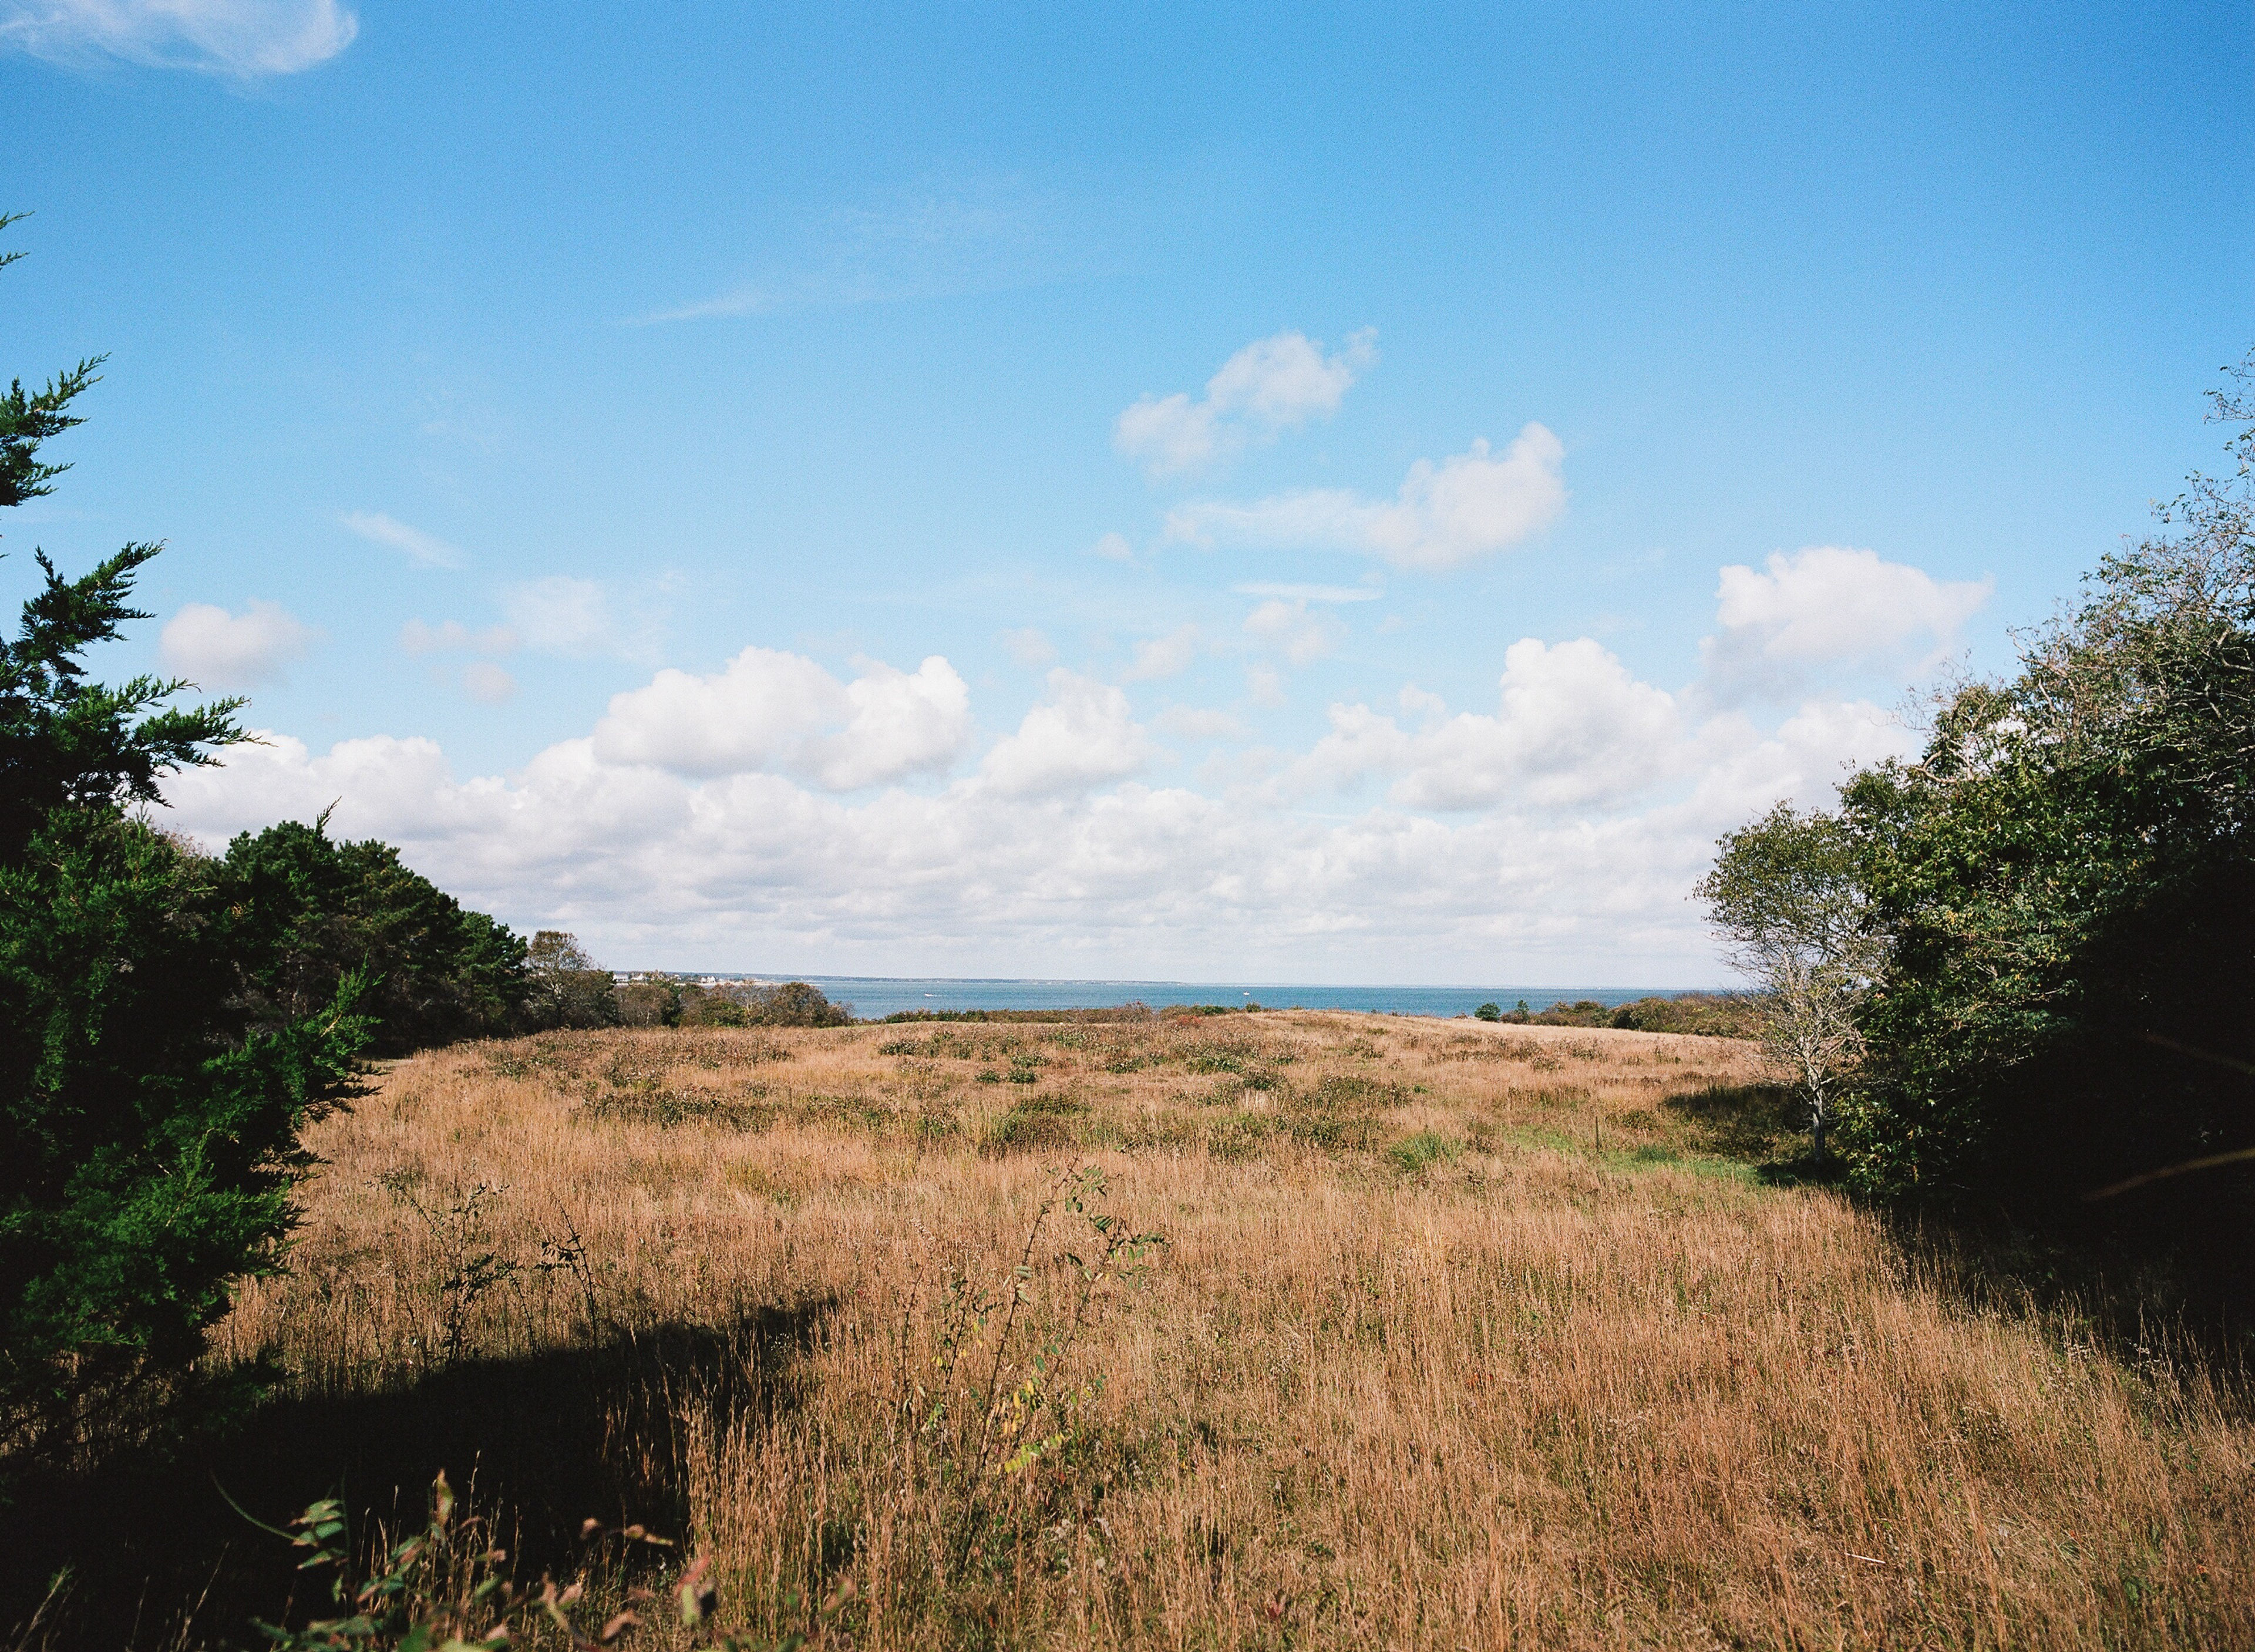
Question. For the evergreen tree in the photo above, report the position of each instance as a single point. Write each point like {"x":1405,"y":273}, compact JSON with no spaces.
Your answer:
{"x":148,"y":1128}
{"x":319,"y":911}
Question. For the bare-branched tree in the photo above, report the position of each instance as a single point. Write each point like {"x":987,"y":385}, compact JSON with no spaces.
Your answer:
{"x":1786,"y":902}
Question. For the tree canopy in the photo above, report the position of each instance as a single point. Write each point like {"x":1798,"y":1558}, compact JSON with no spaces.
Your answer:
{"x":320,"y":913}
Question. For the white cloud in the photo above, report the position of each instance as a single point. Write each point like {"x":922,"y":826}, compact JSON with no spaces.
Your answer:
{"x":487,"y":683}
{"x":1272,"y":384}
{"x":752,"y":817}
{"x":245,"y":38}
{"x":1028,"y":647}
{"x":1572,"y":729}
{"x":769,"y":710}
{"x":1443,"y":515}
{"x":1080,"y":736}
{"x":423,"y":549}
{"x":1113,"y":547}
{"x":452,"y":637}
{"x":1291,"y":630}
{"x":1168,"y":656}
{"x":902,"y":723}
{"x":214,"y":649}
{"x":759,"y":870}
{"x":1826,"y":606}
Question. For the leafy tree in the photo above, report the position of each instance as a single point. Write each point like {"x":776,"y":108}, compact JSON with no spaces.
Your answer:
{"x":564,"y":986}
{"x":655,"y":1001}
{"x":148,"y":1129}
{"x":1786,"y":898}
{"x":323,"y":911}
{"x":2066,"y":881}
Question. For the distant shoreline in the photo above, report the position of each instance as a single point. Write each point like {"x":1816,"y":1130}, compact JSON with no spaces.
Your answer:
{"x":874,"y":996}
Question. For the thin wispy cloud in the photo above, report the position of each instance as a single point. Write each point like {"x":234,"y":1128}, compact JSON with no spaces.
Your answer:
{"x":425,"y":550}
{"x":981,"y":237}
{"x":245,"y":39}
{"x":1308,"y":593}
{"x":452,"y":637}
{"x":580,"y":619}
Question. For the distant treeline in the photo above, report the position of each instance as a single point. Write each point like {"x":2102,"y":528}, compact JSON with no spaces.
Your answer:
{"x":1129,"y":1012}
{"x":1719,"y":1014}
{"x":681,"y":1000}
{"x":1713,"y":1015}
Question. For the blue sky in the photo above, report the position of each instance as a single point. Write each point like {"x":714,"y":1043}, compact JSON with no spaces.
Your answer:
{"x":582,"y":439}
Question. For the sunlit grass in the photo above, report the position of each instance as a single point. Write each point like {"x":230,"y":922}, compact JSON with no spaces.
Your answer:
{"x":1461,"y":1335}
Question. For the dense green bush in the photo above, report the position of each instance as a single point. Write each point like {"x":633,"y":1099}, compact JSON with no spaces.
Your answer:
{"x":319,"y":910}
{"x":148,"y":1125}
{"x":2065,"y":880}
{"x":1717,"y":1014}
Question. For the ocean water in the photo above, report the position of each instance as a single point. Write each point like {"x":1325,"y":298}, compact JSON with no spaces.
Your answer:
{"x":873,"y":996}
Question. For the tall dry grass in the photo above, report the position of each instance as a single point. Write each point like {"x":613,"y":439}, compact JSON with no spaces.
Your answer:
{"x":1459,"y":1336}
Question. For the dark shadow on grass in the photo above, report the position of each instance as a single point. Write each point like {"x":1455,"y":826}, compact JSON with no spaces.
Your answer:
{"x":2158,"y":1284}
{"x":1760,"y":1123}
{"x":2166,"y":1266}
{"x":542,"y":1442}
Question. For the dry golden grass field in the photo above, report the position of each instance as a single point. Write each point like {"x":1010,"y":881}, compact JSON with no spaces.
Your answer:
{"x":1456,"y":1335}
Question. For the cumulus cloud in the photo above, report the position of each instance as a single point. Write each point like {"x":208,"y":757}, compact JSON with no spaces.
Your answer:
{"x":1830,"y":606}
{"x":423,"y":549}
{"x":214,"y":649}
{"x":1291,"y":630}
{"x":1443,"y":515}
{"x":1052,"y":872}
{"x":1081,"y":735}
{"x":1272,"y":384}
{"x":1572,"y":728}
{"x":769,"y":710}
{"x":1168,"y":656}
{"x":752,"y":817}
{"x":244,"y":39}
